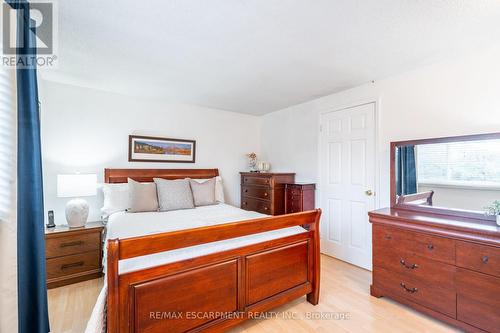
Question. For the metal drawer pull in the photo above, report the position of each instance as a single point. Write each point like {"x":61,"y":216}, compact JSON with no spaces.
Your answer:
{"x":75,"y":264}
{"x":246,"y":190}
{"x":410,"y":290}
{"x":265,"y":208}
{"x":430,"y":246}
{"x":402,"y":262}
{"x":485,"y":259}
{"x":265,"y":194}
{"x":75,"y":243}
{"x":245,"y":203}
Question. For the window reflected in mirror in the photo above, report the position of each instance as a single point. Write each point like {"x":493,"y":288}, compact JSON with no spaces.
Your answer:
{"x":459,"y":175}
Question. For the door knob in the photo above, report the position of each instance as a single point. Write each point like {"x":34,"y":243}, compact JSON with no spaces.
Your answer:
{"x":369,"y":192}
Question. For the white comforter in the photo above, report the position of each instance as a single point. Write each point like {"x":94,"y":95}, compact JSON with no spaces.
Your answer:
{"x":125,"y":225}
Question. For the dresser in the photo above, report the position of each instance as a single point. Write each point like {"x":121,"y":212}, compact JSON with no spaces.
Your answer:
{"x":73,"y":255}
{"x":299,"y":197}
{"x":264,"y":192}
{"x":445,"y":266}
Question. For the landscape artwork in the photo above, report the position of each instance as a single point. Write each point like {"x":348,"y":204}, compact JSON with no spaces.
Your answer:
{"x":155,"y":149}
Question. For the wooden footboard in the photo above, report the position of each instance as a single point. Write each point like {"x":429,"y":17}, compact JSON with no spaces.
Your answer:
{"x":215,"y":291}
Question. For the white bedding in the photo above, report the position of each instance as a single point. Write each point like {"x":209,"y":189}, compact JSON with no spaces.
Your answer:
{"x":125,"y":225}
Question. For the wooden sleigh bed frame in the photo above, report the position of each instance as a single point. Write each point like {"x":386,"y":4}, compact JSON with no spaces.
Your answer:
{"x":213,"y":292}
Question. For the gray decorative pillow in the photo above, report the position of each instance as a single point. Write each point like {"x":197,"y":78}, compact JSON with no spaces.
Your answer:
{"x":174,"y":194}
{"x":203,"y":193}
{"x":142,"y":197}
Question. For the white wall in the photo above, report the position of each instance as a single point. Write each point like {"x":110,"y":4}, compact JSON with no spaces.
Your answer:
{"x":87,"y":130}
{"x":461,"y":197}
{"x":453,"y":98}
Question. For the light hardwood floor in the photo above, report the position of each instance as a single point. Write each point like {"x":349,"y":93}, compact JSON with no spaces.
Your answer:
{"x":344,"y":290}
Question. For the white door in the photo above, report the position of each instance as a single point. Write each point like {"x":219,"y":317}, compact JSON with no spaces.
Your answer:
{"x":347,"y":181}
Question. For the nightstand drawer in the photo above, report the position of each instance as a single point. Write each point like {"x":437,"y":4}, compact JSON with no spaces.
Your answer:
{"x":76,"y":263}
{"x":72,"y":244}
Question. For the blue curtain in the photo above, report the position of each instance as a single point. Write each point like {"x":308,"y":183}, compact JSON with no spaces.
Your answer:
{"x":406,"y":171}
{"x":32,"y":287}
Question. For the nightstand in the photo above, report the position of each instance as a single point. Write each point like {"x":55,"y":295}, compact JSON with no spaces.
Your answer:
{"x":73,"y":254}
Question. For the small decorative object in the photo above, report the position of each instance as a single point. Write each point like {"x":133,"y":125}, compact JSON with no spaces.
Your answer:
{"x":252,"y":162}
{"x":76,"y":186}
{"x":51,"y":223}
{"x":494,"y":210}
{"x":264,"y":166}
{"x":154,"y":149}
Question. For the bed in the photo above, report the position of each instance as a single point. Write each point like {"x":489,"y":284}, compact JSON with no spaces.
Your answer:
{"x":209,"y":268}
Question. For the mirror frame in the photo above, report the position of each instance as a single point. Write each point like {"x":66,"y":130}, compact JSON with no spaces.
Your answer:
{"x":429,"y":209}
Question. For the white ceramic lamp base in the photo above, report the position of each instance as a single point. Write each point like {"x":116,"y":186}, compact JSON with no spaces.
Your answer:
{"x":77,"y":212}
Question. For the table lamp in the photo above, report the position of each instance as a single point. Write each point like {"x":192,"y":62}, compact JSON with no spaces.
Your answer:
{"x":76,"y":186}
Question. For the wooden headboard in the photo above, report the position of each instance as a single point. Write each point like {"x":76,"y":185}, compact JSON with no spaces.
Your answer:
{"x":147,"y":175}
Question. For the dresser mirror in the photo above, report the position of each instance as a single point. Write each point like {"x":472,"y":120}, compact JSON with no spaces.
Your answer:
{"x":455,"y":175}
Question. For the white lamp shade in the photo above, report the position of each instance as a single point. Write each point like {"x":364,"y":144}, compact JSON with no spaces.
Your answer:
{"x":76,"y":185}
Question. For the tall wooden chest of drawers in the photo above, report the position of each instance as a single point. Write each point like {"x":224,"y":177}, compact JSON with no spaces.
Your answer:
{"x":445,"y":266}
{"x":264,"y":192}
{"x":299,"y":197}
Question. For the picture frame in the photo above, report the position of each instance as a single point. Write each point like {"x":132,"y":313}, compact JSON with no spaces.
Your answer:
{"x":158,"y":149}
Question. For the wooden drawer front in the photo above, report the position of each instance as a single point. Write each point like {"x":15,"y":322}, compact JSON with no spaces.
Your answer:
{"x":293,"y":204}
{"x":432,"y":247}
{"x":479,"y":258}
{"x":478,"y":300}
{"x":76,"y":263}
{"x":294,"y":190}
{"x":256,"y":205}
{"x":438,"y":299}
{"x":286,"y":267}
{"x":436,"y":248}
{"x":431,"y":272}
{"x":249,"y":180}
{"x":392,"y":239}
{"x":256,"y":192}
{"x":62,"y":246}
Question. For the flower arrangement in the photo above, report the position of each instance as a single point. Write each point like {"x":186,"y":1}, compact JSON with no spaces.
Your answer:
{"x":252,"y":161}
{"x":494,"y":210}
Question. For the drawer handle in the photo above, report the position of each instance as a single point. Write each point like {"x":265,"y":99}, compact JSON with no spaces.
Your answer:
{"x":430,"y":246}
{"x":246,"y":190}
{"x":409,"y":290}
{"x":388,"y":237}
{"x":485,"y":259}
{"x":75,"y":243}
{"x":266,"y":194}
{"x":245,"y":203}
{"x":402,"y":262}
{"x":265,"y":208}
{"x":246,"y":179}
{"x":267,"y":181}
{"x":74,"y":264}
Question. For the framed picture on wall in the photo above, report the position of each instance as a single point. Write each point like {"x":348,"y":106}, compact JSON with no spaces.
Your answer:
{"x":155,"y":149}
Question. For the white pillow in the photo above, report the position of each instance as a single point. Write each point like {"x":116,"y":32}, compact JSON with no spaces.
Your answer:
{"x":115,"y":198}
{"x":219,"y":189}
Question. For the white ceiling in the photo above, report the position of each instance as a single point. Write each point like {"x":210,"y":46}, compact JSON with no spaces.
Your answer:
{"x":258,"y":56}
